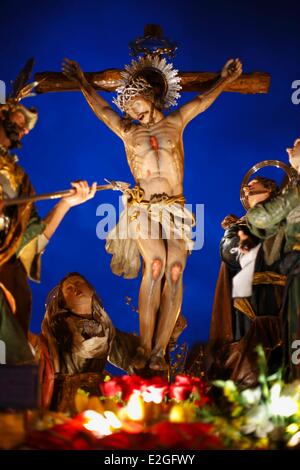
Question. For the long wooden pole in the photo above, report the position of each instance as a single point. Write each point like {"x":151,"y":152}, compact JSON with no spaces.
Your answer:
{"x":53,"y":195}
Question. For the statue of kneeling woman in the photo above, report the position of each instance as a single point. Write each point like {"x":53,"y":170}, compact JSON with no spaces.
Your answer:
{"x":77,"y":340}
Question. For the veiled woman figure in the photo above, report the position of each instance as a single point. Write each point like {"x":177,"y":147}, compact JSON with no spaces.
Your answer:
{"x":78,"y":331}
{"x":77,"y":340}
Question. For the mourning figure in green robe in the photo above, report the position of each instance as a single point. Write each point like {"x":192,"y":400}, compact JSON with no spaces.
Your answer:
{"x":283,"y":212}
{"x":248,"y":295}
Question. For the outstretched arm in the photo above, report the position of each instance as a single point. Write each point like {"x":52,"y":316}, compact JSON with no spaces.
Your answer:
{"x":99,"y":105}
{"x":82,"y":194}
{"x":231,"y":70}
{"x":266,"y":217}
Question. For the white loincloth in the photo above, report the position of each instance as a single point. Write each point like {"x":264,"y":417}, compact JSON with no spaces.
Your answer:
{"x":135,"y":222}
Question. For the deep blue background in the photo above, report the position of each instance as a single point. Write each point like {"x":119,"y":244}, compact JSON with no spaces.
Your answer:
{"x":220,"y":145}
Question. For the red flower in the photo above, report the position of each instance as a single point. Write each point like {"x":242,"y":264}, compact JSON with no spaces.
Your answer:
{"x":154,"y":389}
{"x":123,"y":386}
{"x":185,"y":436}
{"x":185,"y":385}
{"x":204,"y":400}
{"x":130,"y":384}
{"x":70,"y":435}
{"x":127,"y":441}
{"x":164,"y":436}
{"x":111,"y":388}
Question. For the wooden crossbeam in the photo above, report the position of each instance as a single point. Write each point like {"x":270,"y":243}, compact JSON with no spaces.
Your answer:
{"x":109,"y":80}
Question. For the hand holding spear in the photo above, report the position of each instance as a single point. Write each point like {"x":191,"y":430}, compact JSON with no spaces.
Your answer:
{"x":78,"y":194}
{"x":114,"y":185}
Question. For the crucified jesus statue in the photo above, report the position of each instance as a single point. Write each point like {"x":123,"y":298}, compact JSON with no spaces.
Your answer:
{"x":155,"y":154}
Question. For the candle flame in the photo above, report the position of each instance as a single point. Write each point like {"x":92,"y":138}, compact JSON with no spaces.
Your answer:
{"x":97,"y":423}
{"x":113,"y":420}
{"x":135,"y":408}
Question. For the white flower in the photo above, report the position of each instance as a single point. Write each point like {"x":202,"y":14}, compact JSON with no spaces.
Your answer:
{"x":257,"y":421}
{"x":251,"y":396}
{"x":275,"y":391}
{"x":283,"y":406}
{"x":294,"y":440}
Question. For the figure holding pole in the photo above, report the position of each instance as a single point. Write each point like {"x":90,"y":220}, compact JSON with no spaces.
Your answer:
{"x":23,"y":234}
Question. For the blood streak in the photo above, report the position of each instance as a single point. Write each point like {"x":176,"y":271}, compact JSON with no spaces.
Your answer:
{"x":155,"y":147}
{"x":154,"y":143}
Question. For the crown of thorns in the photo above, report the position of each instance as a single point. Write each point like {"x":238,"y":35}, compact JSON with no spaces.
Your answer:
{"x":151,"y":77}
{"x":135,"y":87}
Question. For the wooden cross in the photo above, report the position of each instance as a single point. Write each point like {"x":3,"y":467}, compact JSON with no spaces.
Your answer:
{"x":110,"y":79}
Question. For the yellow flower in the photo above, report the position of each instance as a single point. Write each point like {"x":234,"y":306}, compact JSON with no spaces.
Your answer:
{"x":81,"y":401}
{"x":292,"y":428}
{"x":262,"y":443}
{"x":236,"y":411}
{"x":95,"y":404}
{"x":237,"y":423}
{"x":177,"y":414}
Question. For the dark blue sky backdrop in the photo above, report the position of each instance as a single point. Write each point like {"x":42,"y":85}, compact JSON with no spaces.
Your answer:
{"x":69,"y":142}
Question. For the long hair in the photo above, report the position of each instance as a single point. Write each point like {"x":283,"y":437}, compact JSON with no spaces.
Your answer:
{"x":56,"y":305}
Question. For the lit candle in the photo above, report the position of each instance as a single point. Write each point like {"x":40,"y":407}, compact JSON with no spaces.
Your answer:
{"x":177,"y":414}
{"x":135,"y":408}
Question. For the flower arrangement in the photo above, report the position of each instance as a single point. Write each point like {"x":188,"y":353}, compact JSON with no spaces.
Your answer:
{"x":137,"y":413}
{"x":139,"y":403}
{"x":267,"y":416}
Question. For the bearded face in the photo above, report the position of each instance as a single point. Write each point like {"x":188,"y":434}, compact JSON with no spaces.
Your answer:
{"x":140,"y":109}
{"x":15,"y":127}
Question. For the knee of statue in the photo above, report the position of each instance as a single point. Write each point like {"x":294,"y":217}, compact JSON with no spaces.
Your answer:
{"x":157,"y":268}
{"x":176,"y":271}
